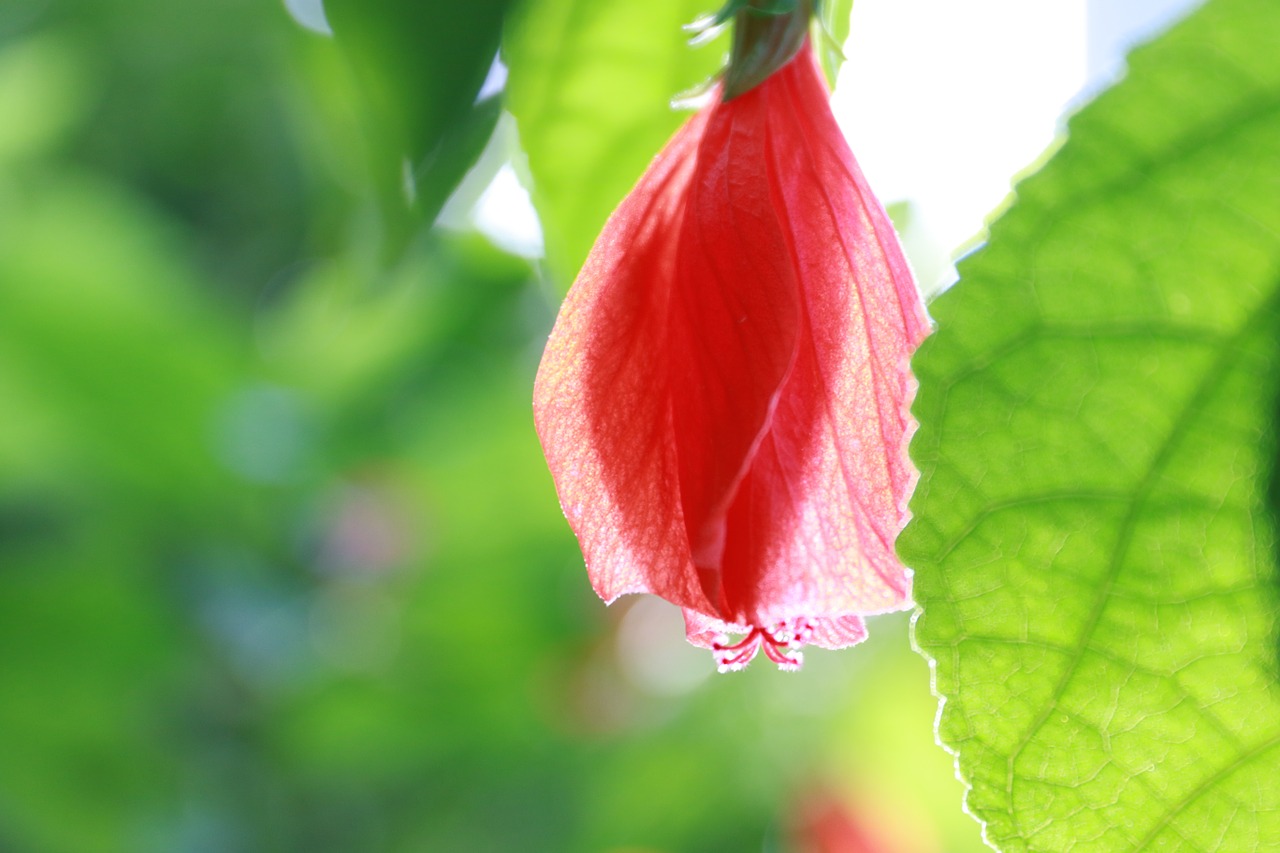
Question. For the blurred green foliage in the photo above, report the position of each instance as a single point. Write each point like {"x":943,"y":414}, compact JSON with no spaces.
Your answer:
{"x":280,"y":564}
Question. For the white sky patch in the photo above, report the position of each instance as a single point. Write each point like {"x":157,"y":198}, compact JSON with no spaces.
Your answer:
{"x":1116,"y":27}
{"x":495,"y":81}
{"x":310,"y":14}
{"x":944,"y":103}
{"x":504,"y":213}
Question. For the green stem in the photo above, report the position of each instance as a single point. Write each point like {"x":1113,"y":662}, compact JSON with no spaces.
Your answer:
{"x":767,"y":34}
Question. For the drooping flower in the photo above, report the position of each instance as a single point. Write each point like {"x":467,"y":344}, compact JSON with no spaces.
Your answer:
{"x":723,"y":401}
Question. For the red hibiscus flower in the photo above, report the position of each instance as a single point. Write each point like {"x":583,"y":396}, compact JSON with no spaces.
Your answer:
{"x":723,"y":401}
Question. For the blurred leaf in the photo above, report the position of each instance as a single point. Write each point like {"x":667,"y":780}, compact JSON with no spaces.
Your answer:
{"x":420,"y":65}
{"x":363,"y":352}
{"x":591,"y":86}
{"x":107,"y":348}
{"x":1095,"y":556}
{"x":87,"y":656}
{"x":195,"y":107}
{"x":835,"y":26}
{"x":42,"y":94}
{"x":436,"y":177}
{"x":887,"y":749}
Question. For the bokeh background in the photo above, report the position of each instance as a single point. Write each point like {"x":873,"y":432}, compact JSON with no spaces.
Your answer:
{"x":280,"y":564}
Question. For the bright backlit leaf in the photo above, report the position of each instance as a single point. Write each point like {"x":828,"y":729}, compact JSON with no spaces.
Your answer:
{"x":1093,"y":532}
{"x":591,"y":86}
{"x":835,"y":26}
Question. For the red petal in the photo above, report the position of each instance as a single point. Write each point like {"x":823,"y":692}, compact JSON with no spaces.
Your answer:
{"x":734,"y":322}
{"x":812,"y":528}
{"x":724,"y":399}
{"x":601,"y":396}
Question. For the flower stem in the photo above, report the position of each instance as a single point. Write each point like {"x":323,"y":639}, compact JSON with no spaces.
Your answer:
{"x":767,"y":34}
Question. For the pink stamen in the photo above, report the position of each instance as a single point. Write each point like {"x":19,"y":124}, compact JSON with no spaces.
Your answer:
{"x":731,"y":658}
{"x":784,"y":661}
{"x":776,"y":642}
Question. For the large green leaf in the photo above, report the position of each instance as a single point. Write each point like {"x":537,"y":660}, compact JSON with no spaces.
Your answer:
{"x":1093,"y":535}
{"x":591,"y":86}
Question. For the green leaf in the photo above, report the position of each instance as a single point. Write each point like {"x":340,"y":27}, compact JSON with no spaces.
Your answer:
{"x":420,"y":66}
{"x":591,"y":86}
{"x":1093,"y":538}
{"x":835,"y":32}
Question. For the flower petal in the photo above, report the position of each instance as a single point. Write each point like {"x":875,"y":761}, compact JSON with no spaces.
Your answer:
{"x":733,"y":327}
{"x":600,"y":398}
{"x":812,"y":527}
{"x":724,"y":400}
